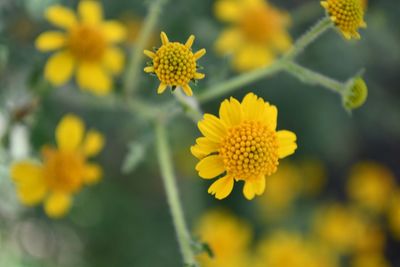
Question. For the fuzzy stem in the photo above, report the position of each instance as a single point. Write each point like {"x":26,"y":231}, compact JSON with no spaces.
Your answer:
{"x":133,"y":69}
{"x":190,"y":105}
{"x":167,"y":173}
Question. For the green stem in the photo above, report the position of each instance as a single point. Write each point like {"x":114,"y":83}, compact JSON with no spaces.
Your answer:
{"x":131,"y":76}
{"x":314,"y":78}
{"x":238,"y":82}
{"x":190,"y":105}
{"x":167,"y":173}
{"x":306,"y":39}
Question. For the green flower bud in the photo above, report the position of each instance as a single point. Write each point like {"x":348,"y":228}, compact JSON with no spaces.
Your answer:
{"x":356,"y":94}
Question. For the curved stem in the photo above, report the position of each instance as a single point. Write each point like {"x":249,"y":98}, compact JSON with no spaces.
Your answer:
{"x":314,"y":78}
{"x":190,"y":105}
{"x":167,"y":173}
{"x":134,"y":64}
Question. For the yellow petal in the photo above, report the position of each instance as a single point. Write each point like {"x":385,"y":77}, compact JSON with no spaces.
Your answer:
{"x":255,"y":186}
{"x":114,"y":60}
{"x":252,"y":107}
{"x":92,"y":174}
{"x":90,"y":11}
{"x":187,"y":90}
{"x":212,"y":128}
{"x":230,"y":112}
{"x":94,"y":78}
{"x":204,"y":147}
{"x":161,"y":88}
{"x":286,"y":142}
{"x":222,"y":187}
{"x":114,"y":31}
{"x":50,"y":40}
{"x":199,"y":53}
{"x":93,"y":143}
{"x":281,"y":42}
{"x":59,"y":68}
{"x":69,"y":133}
{"x":32,"y":195}
{"x":199,"y":76}
{"x":228,"y":41}
{"x":210,"y":167}
{"x":228,"y":10}
{"x":61,"y":16}
{"x":164,"y":38}
{"x":270,"y":116}
{"x":190,"y":41}
{"x":251,"y":56}
{"x":57,"y":205}
{"x":149,"y":69}
{"x":149,"y":53}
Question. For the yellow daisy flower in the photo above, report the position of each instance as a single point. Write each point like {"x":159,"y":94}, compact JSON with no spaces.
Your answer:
{"x":348,"y":16}
{"x":63,"y":171}
{"x":258,"y":33}
{"x":175,"y":64}
{"x":87,"y":47}
{"x":242,"y":144}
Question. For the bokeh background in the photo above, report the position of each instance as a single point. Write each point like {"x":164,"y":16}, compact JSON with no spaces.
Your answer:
{"x":320,"y":196}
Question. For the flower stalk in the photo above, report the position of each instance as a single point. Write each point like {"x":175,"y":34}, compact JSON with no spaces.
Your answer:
{"x":168,"y":176}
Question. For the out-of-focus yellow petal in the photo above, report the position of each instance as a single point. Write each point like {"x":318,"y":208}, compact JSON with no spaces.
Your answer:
{"x":114,"y":60}
{"x":59,"y":68}
{"x":93,"y":143}
{"x":90,"y":11}
{"x":57,"y":205}
{"x":249,"y":57}
{"x":50,"y":40}
{"x":228,"y":10}
{"x":228,"y":41}
{"x":69,"y":133}
{"x":93,"y":173}
{"x":94,"y":78}
{"x":61,"y":16}
{"x":114,"y":31}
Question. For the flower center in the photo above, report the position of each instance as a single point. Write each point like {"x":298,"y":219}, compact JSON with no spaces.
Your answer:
{"x":250,"y":149}
{"x":86,"y":43}
{"x":174,"y":64}
{"x":348,"y":13}
{"x":258,"y":24}
{"x":63,"y":171}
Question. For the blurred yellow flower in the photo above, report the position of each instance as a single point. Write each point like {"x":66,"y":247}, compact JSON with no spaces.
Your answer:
{"x":64,"y":170}
{"x":394,"y":216}
{"x":258,"y":33}
{"x":284,"y":249}
{"x":348,"y":16}
{"x":227,"y":236}
{"x":369,"y":260}
{"x":242,"y":144}
{"x":87,"y":47}
{"x":175,"y":64}
{"x":280,"y":191}
{"x":371,"y":185}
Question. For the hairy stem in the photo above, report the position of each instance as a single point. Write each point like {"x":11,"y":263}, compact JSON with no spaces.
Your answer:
{"x":134,"y":67}
{"x":168,"y":176}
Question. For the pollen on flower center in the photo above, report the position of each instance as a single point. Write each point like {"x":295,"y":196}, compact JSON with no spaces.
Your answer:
{"x":250,"y":149}
{"x":63,"y":171}
{"x":86,"y":43}
{"x":256,"y":24}
{"x":175,"y":64}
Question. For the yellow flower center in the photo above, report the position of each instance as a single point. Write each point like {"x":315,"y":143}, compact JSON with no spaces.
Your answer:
{"x":86,"y":43}
{"x":174,"y":64}
{"x":258,"y":24}
{"x":250,"y":149}
{"x":63,"y":171}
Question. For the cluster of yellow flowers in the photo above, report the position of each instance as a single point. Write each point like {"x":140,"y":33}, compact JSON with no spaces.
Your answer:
{"x":241,"y":144}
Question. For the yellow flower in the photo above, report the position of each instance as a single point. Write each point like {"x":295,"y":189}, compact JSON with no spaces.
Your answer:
{"x":87,"y":47}
{"x":371,"y":185}
{"x":64,"y":170}
{"x":348,"y":16}
{"x":175,"y":64}
{"x":258,"y":33}
{"x":227,"y":236}
{"x":242,"y":144}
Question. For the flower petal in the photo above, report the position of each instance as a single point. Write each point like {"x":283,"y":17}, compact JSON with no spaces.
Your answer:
{"x":253,"y":187}
{"x":204,"y":147}
{"x":50,"y":40}
{"x":69,"y":132}
{"x":228,"y":10}
{"x":228,"y":41}
{"x":59,"y":68}
{"x":212,"y":128}
{"x":252,"y":56}
{"x":90,"y":11}
{"x":94,"y":78}
{"x":222,"y":187}
{"x":210,"y":167}
{"x":57,"y":205}
{"x":286,"y":142}
{"x":230,"y":112}
{"x":92,"y":174}
{"x":93,"y":143}
{"x":114,"y":31}
{"x":61,"y":16}
{"x":114,"y":60}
